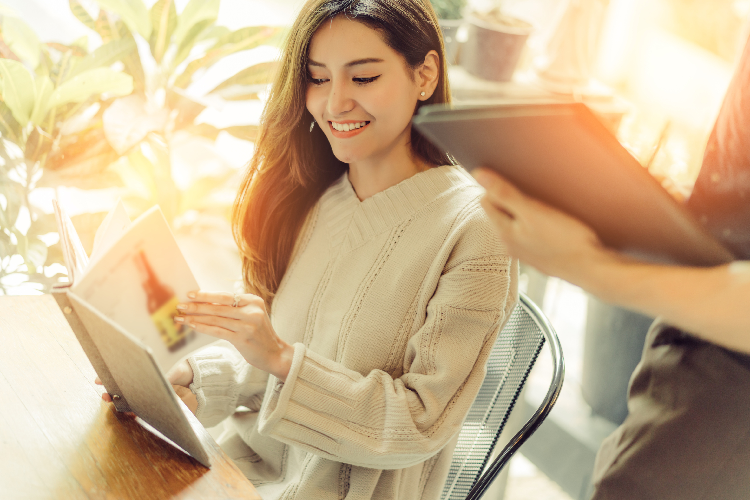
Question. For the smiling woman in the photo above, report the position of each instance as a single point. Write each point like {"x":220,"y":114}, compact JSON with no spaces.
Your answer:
{"x":344,"y":61}
{"x":375,"y":284}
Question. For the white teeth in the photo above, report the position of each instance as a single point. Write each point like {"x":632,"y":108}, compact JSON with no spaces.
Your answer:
{"x":346,"y":127}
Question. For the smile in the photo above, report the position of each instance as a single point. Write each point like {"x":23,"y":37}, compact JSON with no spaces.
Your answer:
{"x":349,"y":129}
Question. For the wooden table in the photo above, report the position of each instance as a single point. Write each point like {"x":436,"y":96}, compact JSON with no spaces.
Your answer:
{"x":58,"y":439}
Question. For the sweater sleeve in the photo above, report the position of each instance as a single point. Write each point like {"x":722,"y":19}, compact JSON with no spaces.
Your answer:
{"x":378,"y":421}
{"x":223,"y":381}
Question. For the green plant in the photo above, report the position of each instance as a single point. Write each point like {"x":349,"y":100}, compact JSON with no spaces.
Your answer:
{"x":44,"y":89}
{"x":70,"y":117}
{"x":449,"y":9}
{"x":142,"y":127}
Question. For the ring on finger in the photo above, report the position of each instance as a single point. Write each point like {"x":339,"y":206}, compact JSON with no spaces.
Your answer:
{"x":236,"y":301}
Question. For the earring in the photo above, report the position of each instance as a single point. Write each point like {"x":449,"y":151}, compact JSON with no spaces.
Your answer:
{"x":422,"y":94}
{"x":312,"y":125}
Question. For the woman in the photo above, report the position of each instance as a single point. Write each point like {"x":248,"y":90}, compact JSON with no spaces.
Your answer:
{"x":375,"y":284}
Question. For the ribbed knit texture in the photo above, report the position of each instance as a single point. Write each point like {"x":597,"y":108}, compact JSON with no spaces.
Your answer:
{"x":392,"y":305}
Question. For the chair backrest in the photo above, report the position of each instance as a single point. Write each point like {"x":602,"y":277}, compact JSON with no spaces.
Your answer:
{"x":512,"y":357}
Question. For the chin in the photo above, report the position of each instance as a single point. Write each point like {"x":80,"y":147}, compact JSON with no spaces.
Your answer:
{"x":347,"y":156}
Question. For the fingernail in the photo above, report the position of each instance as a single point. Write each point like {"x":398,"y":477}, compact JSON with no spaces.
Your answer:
{"x":191,"y":295}
{"x":181,"y":307}
{"x":179,"y":319}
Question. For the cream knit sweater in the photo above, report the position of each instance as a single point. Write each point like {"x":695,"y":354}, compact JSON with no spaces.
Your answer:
{"x":392,"y":305}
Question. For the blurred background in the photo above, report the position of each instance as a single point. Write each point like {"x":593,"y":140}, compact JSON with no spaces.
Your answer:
{"x":158,"y":102}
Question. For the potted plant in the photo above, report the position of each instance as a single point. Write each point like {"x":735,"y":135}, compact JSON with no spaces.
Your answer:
{"x":450,"y":17}
{"x":494,"y":45}
{"x":50,"y":126}
{"x":116,"y":117}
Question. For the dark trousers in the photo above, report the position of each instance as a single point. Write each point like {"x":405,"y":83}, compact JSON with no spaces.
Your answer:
{"x":687,"y":435}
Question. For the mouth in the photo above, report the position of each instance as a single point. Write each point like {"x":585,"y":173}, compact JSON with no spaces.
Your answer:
{"x":347,"y":129}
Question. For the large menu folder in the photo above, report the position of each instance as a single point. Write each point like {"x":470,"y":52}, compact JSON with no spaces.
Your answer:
{"x":120,"y":303}
{"x":563,"y":155}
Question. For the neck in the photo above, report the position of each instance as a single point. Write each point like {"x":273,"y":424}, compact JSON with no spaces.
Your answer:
{"x":373,"y":175}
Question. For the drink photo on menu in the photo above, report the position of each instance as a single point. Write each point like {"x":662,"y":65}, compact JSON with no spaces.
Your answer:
{"x":136,"y":276}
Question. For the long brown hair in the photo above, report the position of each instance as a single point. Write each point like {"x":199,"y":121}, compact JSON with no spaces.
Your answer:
{"x":292,"y":167}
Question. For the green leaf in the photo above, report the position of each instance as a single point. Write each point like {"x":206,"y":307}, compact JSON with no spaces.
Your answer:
{"x":22,"y":40}
{"x":18,"y":89}
{"x":105,"y":26}
{"x":62,"y":48}
{"x":43,"y":88}
{"x":91,"y":82}
{"x":193,"y":37}
{"x":36,"y":253}
{"x":254,"y":75}
{"x":242,"y":39}
{"x":5,"y":245}
{"x":106,"y":55}
{"x":9,"y":127}
{"x":132,"y":12}
{"x":22,"y":245}
{"x":44,"y":224}
{"x":213,"y":32}
{"x":82,"y":14}
{"x":14,"y":196}
{"x":196,"y":11}
{"x":164,"y":21}
{"x":55,"y":255}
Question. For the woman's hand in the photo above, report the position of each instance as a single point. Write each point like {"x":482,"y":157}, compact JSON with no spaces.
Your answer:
{"x":180,"y":376}
{"x":246,"y":326}
{"x":544,"y":237}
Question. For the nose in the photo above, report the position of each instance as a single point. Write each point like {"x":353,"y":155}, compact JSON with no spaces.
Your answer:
{"x":340,"y":101}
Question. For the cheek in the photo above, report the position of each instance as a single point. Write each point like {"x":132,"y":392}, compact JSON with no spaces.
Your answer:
{"x":315,"y":102}
{"x":395,"y":108}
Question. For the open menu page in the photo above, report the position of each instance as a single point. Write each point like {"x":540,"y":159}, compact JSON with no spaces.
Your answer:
{"x":110,"y":230}
{"x":74,"y":254}
{"x":136,"y":277}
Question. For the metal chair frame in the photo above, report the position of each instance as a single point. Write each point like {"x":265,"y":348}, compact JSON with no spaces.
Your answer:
{"x":473,"y":468}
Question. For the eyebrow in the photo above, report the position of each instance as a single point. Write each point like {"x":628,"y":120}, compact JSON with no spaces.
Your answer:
{"x":358,"y":62}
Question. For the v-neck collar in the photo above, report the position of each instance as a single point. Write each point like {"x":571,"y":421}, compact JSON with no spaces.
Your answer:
{"x":352,"y":222}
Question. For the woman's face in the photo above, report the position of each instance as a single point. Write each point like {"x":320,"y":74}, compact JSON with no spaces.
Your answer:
{"x":361,"y":92}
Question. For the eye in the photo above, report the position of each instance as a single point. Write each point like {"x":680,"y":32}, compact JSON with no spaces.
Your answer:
{"x":365,"y":81}
{"x":317,"y":81}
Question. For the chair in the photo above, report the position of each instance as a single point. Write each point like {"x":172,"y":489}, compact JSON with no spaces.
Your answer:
{"x":512,"y":357}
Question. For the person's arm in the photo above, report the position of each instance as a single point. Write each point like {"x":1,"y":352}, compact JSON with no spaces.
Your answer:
{"x":222,"y":380}
{"x":712,"y":303}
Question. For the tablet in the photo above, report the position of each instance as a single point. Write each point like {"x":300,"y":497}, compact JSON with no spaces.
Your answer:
{"x":560,"y":153}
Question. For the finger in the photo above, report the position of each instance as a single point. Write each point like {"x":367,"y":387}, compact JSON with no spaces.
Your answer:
{"x":500,"y":191}
{"x":223,"y":298}
{"x":98,"y":381}
{"x":187,"y":397}
{"x":232,"y":325}
{"x":209,"y":329}
{"x":106,"y":397}
{"x":206,"y":309}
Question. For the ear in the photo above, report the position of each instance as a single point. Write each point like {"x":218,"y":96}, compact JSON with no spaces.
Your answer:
{"x":427,"y":75}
